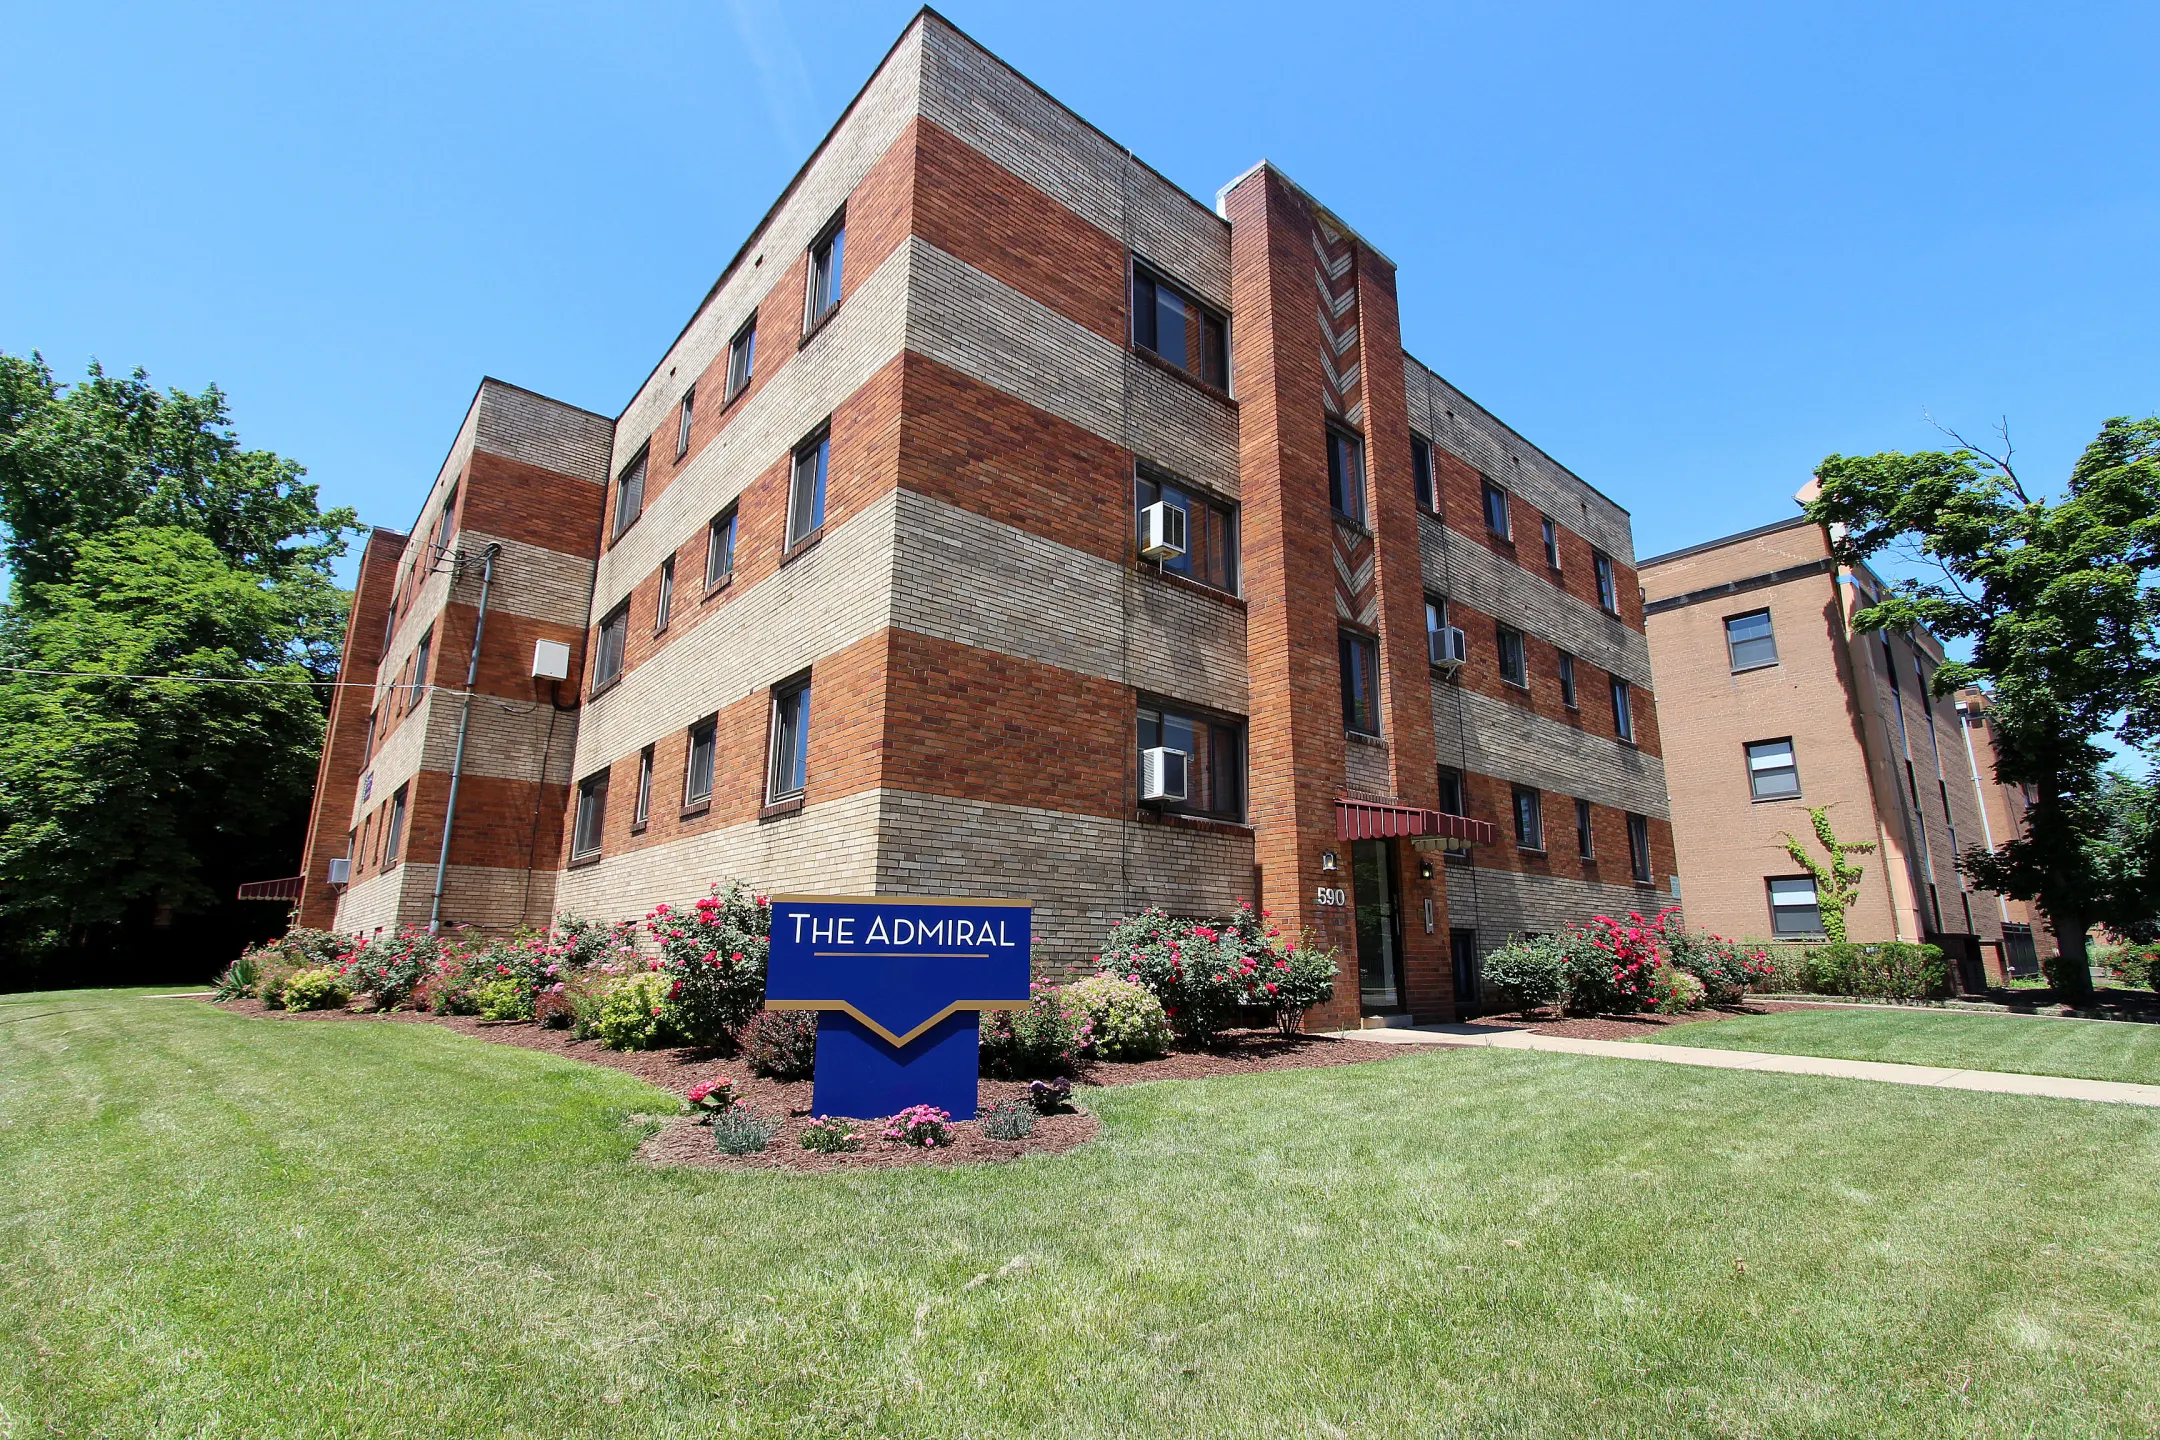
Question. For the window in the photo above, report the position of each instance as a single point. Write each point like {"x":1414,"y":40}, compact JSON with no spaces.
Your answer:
{"x":419,"y":670}
{"x":1638,"y":848}
{"x":806,"y":491}
{"x":643,"y":811}
{"x":1585,"y":846}
{"x":1567,"y":680}
{"x":608,"y":651}
{"x":1750,"y":643}
{"x":1514,"y":665}
{"x":1171,"y":325}
{"x":394,"y":832}
{"x":790,"y":740}
{"x":741,"y":359}
{"x":630,"y":494}
{"x":1771,"y":772}
{"x":682,"y":422}
{"x":591,"y":815}
{"x":665,"y":610}
{"x":449,"y":514}
{"x":367,"y":743}
{"x":1623,"y":710}
{"x":1435,"y":625}
{"x":389,"y":624}
{"x":1793,"y":907}
{"x":698,"y":767}
{"x":1215,"y":755}
{"x":827,"y":257}
{"x":1453,"y":799}
{"x":1496,"y":510}
{"x":1360,"y":683}
{"x":1551,"y":535}
{"x":1211,"y":554}
{"x":1608,"y":593}
{"x":1346,"y":473}
{"x":720,"y":548}
{"x":1529,"y":819}
{"x":1421,"y":473}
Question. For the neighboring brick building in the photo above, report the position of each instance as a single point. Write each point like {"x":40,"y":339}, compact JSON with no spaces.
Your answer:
{"x":1780,"y":706}
{"x":2027,"y":940}
{"x":862,"y":608}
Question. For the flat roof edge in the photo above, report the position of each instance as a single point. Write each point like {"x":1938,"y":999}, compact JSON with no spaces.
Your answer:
{"x":1700,"y":546}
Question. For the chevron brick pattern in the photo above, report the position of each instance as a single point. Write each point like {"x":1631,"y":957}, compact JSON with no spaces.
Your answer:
{"x":1335,"y":275}
{"x":1357,"y":599}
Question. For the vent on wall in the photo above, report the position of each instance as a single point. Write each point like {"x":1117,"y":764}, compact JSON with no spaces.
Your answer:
{"x":551,"y":660}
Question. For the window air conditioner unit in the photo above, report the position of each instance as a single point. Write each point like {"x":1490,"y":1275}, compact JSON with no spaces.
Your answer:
{"x":1162,"y":531}
{"x":551,"y":660}
{"x":340,"y":871}
{"x":1162,"y":774}
{"x":1450,"y":647}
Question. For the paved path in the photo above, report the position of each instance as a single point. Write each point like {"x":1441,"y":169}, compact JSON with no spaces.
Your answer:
{"x":2001,"y":1082}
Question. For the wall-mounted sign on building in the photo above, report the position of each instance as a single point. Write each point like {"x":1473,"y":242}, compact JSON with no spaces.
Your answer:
{"x":901,"y":984}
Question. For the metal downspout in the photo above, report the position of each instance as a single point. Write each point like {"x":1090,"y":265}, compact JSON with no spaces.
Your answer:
{"x":457,"y":760}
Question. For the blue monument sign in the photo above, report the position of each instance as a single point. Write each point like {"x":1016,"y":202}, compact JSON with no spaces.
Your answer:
{"x":900,"y":984}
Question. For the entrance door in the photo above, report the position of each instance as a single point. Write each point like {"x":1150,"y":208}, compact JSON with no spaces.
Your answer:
{"x":1372,"y":866}
{"x":1462,"y":950}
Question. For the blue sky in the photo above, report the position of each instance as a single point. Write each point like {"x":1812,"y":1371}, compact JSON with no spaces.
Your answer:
{"x":1688,"y":249}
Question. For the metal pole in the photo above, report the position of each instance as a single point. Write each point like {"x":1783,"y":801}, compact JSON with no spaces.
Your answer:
{"x":457,"y":761}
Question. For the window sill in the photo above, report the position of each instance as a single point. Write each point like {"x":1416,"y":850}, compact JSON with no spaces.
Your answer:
{"x":1522,"y":685}
{"x":1350,"y":522}
{"x":1180,"y":582}
{"x":659,"y":630}
{"x":600,"y":690}
{"x":1773,"y":799}
{"x":790,"y":806}
{"x":579,"y":862}
{"x":1359,"y":737}
{"x":1536,"y":852}
{"x":817,"y":327}
{"x":1206,"y":825}
{"x":807,"y":542}
{"x":1745,"y":669}
{"x":727,"y":402}
{"x":695,"y":810}
{"x":616,"y":538}
{"x":1179,"y":372}
{"x":639,"y":828}
{"x":716,"y":587}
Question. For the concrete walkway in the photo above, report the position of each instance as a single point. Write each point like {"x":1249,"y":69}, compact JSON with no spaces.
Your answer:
{"x":2000,"y":1082}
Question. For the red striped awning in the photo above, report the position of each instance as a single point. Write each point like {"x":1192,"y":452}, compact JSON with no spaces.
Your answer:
{"x":287,"y":889}
{"x":1374,"y":820}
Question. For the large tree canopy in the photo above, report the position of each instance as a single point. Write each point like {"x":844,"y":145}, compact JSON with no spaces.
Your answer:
{"x":2059,"y":601}
{"x":143,"y":540}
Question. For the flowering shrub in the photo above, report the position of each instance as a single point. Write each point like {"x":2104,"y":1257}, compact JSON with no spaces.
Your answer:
{"x":2135,"y":966}
{"x":1673,"y":990}
{"x":1611,"y":974}
{"x":923,"y":1125}
{"x":1124,"y":1021}
{"x":384,"y":969}
{"x":446,"y":990}
{"x":1727,"y":971}
{"x":1203,"y":974}
{"x":553,"y":1009}
{"x":579,"y":944}
{"x":781,"y":1044}
{"x":1044,"y":1039}
{"x":713,"y":955}
{"x":709,"y":1097}
{"x":830,"y":1135}
{"x":630,"y":1016}
{"x":742,"y":1131}
{"x":322,"y":988}
{"x":1300,"y":977}
{"x":1051,"y":1097}
{"x":1008,"y":1120}
{"x":505,"y":997}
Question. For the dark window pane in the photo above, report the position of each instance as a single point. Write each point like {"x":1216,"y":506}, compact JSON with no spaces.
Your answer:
{"x":666,"y":607}
{"x":1496,"y":509}
{"x":1421,"y":471}
{"x":630,"y":494}
{"x":742,"y":359}
{"x":591,"y":814}
{"x":720,"y":549}
{"x":806,"y":500}
{"x":1583,"y":838}
{"x":790,"y":742}
{"x":698,"y":773}
{"x":1567,"y":680}
{"x":1638,"y":839}
{"x":1607,"y":595}
{"x":1346,"y":474}
{"x":1360,"y":684}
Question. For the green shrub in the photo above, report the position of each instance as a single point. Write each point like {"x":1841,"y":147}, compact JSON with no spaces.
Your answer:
{"x":506,"y":997}
{"x":781,"y":1044}
{"x":713,"y":955}
{"x":1673,"y":991}
{"x":1531,"y":973}
{"x":313,"y":949}
{"x":1889,"y":970}
{"x":387,"y":968}
{"x":1008,"y":1120}
{"x":1125,"y":1021}
{"x":1203,"y":974}
{"x":742,"y":1132}
{"x":1726,"y":970}
{"x":831,"y":1136}
{"x":630,"y":1017}
{"x":1044,"y":1039}
{"x":239,"y":978}
{"x":2134,"y":966}
{"x":323,"y":988}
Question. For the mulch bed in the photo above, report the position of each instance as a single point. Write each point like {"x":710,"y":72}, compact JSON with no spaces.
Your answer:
{"x":685,"y":1142}
{"x":1631,"y":1027}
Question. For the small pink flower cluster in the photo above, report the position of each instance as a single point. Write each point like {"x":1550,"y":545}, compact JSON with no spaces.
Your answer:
{"x":923,"y":1125}
{"x":710,"y":1097}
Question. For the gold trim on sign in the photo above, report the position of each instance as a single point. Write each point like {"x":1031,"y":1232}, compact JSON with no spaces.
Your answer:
{"x":896,"y":1040}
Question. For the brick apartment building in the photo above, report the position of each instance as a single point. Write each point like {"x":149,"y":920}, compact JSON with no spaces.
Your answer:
{"x":1782,"y":705}
{"x":850,"y":597}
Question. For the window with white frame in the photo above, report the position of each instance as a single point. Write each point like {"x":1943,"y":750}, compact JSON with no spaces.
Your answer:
{"x":788,"y":774}
{"x":1749,"y":641}
{"x":827,"y":257}
{"x":664,"y":609}
{"x":642,"y":812}
{"x":806,"y":488}
{"x":591,"y":815}
{"x":1608,"y":589}
{"x":683,"y":415}
{"x":741,"y":359}
{"x":1529,"y":818}
{"x":630,"y":493}
{"x":1514,"y":657}
{"x":1772,"y":772}
{"x":1623,"y":710}
{"x":698,"y":763}
{"x":608,"y":648}
{"x":720,"y":548}
{"x":1794,"y":906}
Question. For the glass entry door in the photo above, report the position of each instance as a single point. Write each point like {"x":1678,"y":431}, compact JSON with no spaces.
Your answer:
{"x":1372,"y":867}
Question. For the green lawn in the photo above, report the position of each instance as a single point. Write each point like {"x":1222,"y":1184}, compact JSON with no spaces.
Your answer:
{"x":1961,"y":1040}
{"x":212,"y":1226}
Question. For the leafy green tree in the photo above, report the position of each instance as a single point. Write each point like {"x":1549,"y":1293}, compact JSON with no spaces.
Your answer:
{"x":142,"y":540}
{"x":1837,"y":883}
{"x":2058,"y":600}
